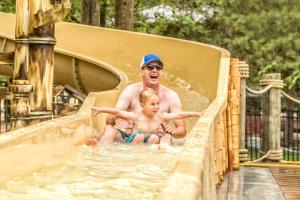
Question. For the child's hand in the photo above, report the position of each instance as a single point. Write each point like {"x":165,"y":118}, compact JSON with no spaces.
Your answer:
{"x":92,"y":141}
{"x":200,"y":114}
{"x":95,"y":110}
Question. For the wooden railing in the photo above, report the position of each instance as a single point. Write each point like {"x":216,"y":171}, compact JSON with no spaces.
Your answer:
{"x":212,"y":148}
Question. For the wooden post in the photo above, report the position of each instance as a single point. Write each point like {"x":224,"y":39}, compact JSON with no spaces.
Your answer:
{"x":229,"y":135}
{"x":225,"y":139}
{"x":222,"y":147}
{"x":216,"y":154}
{"x":234,"y":101}
{"x":223,"y":144}
{"x":20,"y":86}
{"x":265,"y":122}
{"x":33,"y":62}
{"x":272,"y":120}
{"x":41,"y":61}
{"x":244,"y":71}
{"x":43,"y":16}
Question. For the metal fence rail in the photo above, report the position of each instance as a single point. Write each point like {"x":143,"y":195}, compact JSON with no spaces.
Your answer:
{"x":290,"y":129}
{"x":254,"y":132}
{"x":272,"y":122}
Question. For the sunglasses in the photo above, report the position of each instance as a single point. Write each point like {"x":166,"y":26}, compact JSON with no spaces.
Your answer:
{"x":151,"y":67}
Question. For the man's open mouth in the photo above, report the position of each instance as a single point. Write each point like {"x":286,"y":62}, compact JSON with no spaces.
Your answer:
{"x":153,"y":77}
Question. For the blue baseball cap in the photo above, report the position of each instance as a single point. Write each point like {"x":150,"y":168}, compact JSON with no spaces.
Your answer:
{"x":149,"y":58}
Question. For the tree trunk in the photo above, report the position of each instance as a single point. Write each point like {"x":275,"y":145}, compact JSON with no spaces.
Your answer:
{"x":103,"y":9}
{"x":90,"y":12}
{"x":124,"y":14}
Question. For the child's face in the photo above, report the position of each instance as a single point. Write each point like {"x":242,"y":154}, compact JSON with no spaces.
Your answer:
{"x":151,"y":106}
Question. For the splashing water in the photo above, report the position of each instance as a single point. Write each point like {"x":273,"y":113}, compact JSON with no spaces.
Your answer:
{"x":116,"y":172}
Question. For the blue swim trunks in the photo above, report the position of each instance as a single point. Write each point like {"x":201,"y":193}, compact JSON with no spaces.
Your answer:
{"x":129,"y":138}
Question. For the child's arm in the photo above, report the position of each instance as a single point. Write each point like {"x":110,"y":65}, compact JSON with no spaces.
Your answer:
{"x":115,"y":111}
{"x":181,"y":115}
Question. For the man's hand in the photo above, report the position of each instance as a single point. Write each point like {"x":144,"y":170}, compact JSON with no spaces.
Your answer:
{"x":122,"y":123}
{"x":165,"y":129}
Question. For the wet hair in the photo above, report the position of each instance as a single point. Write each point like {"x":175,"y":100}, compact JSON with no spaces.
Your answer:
{"x":146,"y":94}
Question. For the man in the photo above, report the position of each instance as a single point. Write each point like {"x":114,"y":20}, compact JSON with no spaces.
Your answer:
{"x":151,"y":70}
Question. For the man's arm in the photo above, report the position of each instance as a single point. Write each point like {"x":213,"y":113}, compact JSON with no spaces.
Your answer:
{"x":116,"y":112}
{"x":110,"y":134}
{"x":122,"y":103}
{"x":125,"y":97}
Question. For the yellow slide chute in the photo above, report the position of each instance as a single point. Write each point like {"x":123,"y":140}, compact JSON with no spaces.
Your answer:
{"x":101,"y":62}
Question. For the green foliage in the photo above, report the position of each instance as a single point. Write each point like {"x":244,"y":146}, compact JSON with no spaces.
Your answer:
{"x":264,"y":33}
{"x":8,"y":6}
{"x":4,"y":80}
{"x":74,"y":14}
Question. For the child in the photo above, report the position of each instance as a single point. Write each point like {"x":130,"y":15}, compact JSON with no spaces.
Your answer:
{"x":148,"y":120}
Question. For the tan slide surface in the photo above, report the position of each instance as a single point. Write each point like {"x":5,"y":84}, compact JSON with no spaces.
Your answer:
{"x":198,"y":64}
{"x":100,"y":62}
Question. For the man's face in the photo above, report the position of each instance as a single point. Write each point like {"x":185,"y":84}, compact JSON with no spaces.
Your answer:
{"x":151,"y":73}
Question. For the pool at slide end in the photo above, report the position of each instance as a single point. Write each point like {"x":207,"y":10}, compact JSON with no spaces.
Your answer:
{"x":101,"y":62}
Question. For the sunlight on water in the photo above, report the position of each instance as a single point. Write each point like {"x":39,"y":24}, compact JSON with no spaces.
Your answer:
{"x":116,"y":172}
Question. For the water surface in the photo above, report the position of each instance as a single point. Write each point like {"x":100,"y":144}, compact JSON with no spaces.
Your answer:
{"x":117,"y":172}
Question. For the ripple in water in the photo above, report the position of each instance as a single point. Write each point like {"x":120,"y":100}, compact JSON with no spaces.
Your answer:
{"x":116,"y":172}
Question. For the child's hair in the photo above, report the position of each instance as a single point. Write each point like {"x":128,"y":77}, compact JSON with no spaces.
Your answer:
{"x":146,"y":94}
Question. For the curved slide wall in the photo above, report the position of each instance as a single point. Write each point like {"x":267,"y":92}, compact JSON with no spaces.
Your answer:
{"x":96,"y":60}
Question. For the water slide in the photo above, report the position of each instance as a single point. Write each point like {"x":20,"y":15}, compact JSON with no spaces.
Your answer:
{"x":101,"y":62}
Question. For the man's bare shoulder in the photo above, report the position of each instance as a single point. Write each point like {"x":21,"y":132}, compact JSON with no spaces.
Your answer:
{"x":133,"y":88}
{"x":169,"y":93}
{"x":128,"y":99}
{"x":134,"y":85}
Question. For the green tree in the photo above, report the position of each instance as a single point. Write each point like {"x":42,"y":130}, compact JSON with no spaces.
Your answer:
{"x":264,"y":33}
{"x":8,"y":6}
